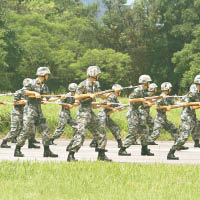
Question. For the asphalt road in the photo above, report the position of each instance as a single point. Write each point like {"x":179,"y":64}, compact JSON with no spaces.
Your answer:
{"x":191,"y":156}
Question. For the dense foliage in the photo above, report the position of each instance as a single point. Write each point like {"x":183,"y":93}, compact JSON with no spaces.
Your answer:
{"x":155,"y":37}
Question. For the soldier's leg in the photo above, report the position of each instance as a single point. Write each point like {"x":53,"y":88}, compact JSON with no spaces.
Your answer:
{"x":28,"y":127}
{"x":44,"y":130}
{"x":196,"y":134}
{"x":115,"y":130}
{"x":172,"y":129}
{"x":185,"y":131}
{"x":16,"y":127}
{"x":62,"y":122}
{"x":158,"y":125}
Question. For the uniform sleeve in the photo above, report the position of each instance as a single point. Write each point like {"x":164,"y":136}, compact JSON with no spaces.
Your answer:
{"x":97,"y":87}
{"x":18,"y":96}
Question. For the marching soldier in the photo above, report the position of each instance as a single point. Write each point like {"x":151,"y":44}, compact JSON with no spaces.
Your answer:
{"x":86,"y":119}
{"x":104,"y":115}
{"x":188,"y":121}
{"x":17,"y":118}
{"x":161,"y":120}
{"x":137,"y":118}
{"x":64,"y":116}
{"x":33,"y":115}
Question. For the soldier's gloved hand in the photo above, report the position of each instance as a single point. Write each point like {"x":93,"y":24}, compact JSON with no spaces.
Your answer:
{"x":37,"y":95}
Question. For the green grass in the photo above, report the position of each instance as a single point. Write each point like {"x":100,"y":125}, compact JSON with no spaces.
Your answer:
{"x":51,"y":113}
{"x":98,"y":180}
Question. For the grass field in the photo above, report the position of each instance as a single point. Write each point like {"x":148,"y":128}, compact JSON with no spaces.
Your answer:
{"x":98,"y":181}
{"x":51,"y":113}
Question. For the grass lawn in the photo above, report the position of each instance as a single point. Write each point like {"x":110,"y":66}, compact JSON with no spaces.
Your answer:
{"x":98,"y":180}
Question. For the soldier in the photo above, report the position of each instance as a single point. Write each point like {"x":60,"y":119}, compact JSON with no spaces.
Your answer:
{"x":17,"y":118}
{"x":86,"y":119}
{"x":104,"y":116}
{"x":137,"y":118}
{"x":64,"y":115}
{"x":188,"y":120}
{"x":161,"y":120}
{"x":33,"y":115}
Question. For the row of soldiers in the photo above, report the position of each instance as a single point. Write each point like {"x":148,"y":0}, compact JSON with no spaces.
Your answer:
{"x":27,"y":116}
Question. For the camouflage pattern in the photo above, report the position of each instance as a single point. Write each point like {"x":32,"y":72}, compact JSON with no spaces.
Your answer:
{"x":65,"y":117}
{"x":16,"y":117}
{"x":105,"y":119}
{"x":137,"y":120}
{"x":86,"y":119}
{"x":33,"y":116}
{"x":161,"y":121}
{"x":189,"y":122}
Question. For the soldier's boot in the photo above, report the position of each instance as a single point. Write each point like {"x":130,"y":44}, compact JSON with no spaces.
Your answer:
{"x":182,"y":148}
{"x":93,"y":144}
{"x":70,"y":157}
{"x":119,"y":141}
{"x":122,"y":152}
{"x":14,"y":140}
{"x":153,"y":143}
{"x":196,"y":143}
{"x":171,"y":155}
{"x":49,"y":153}
{"x":102,"y":156}
{"x":145,"y":151}
{"x":31,"y":145}
{"x":18,"y":152}
{"x":4,"y":144}
{"x":36,"y":141}
{"x":51,"y":141}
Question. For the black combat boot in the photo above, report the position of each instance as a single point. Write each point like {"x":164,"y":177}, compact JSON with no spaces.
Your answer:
{"x":171,"y":155}
{"x":51,"y":141}
{"x":71,"y":157}
{"x":93,"y":144}
{"x":152,"y":143}
{"x":4,"y":144}
{"x":182,"y":148}
{"x":119,"y":141}
{"x":14,"y":140}
{"x":122,"y":152}
{"x":102,"y":156}
{"x":18,"y":152}
{"x":196,"y":143}
{"x":31,"y":145}
{"x":48,"y":153}
{"x":35,"y":141}
{"x":145,"y":151}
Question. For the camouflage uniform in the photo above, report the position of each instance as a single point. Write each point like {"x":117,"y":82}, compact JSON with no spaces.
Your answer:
{"x":86,"y":119}
{"x":16,"y":117}
{"x":189,"y":123}
{"x":105,"y":119}
{"x":161,"y":121}
{"x":137,"y":120}
{"x":33,"y":116}
{"x":65,"y":117}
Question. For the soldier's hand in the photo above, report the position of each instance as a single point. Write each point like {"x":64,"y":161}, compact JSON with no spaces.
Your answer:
{"x":37,"y":95}
{"x":44,"y":102}
{"x":168,"y":108}
{"x":3,"y":103}
{"x":149,"y":104}
{"x":70,"y":106}
{"x":63,"y":97}
{"x":92,"y":96}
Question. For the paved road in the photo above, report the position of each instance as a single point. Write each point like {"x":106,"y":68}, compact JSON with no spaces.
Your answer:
{"x":191,"y":156}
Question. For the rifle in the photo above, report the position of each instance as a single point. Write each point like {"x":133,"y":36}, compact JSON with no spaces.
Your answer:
{"x":7,"y":94}
{"x":120,"y":108}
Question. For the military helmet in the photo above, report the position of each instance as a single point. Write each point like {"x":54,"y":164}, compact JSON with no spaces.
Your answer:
{"x":117,"y":87}
{"x":152,"y":87}
{"x":144,"y":79}
{"x":197,"y":79}
{"x":166,"y":86}
{"x":27,"y":81}
{"x":93,"y":71}
{"x":42,"y":71}
{"x":72,"y":87}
